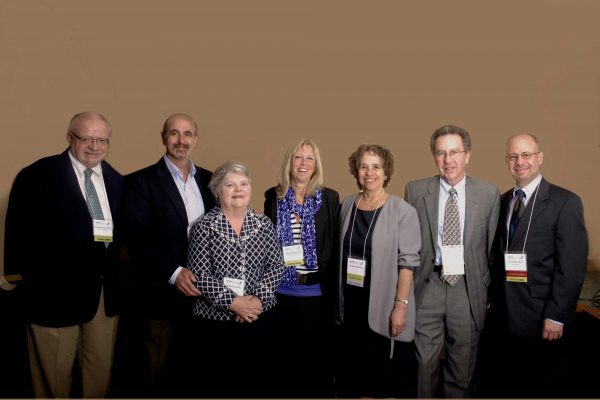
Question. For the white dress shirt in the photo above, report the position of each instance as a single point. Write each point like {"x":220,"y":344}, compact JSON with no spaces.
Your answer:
{"x":97,"y":181}
{"x":443,"y":198}
{"x":190,"y":194}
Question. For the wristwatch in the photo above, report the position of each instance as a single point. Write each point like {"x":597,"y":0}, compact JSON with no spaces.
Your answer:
{"x":405,"y":301}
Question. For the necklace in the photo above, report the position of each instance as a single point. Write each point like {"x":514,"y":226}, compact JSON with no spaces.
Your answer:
{"x":369,"y":203}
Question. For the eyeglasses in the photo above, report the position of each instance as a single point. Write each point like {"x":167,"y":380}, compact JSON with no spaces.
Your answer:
{"x":87,"y":140}
{"x":526,"y":155}
{"x":452,"y":154}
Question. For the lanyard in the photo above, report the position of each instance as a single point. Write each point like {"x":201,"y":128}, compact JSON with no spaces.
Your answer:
{"x":370,"y":225}
{"x":529,"y":222}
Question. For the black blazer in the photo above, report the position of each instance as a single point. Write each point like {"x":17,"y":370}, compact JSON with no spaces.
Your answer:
{"x":49,"y":241}
{"x":327,"y":225}
{"x":557,"y":250}
{"x":155,"y":235}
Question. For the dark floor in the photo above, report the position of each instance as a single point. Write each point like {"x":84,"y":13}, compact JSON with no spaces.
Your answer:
{"x":14,"y":370}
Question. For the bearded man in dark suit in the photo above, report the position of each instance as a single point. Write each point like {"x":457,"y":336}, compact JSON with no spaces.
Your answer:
{"x":160,"y":204}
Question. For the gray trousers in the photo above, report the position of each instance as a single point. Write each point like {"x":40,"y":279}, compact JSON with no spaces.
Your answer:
{"x":444,"y":319}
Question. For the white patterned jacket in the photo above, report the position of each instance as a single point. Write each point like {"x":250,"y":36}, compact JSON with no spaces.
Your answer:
{"x":216,"y":253}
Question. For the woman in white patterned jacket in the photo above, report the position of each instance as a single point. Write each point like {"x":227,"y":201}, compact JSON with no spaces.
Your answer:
{"x":238,"y":265}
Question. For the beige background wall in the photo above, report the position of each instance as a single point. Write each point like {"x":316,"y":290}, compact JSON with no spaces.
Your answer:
{"x":260,"y":75}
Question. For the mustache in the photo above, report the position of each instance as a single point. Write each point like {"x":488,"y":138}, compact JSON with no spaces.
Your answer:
{"x":182,"y":146}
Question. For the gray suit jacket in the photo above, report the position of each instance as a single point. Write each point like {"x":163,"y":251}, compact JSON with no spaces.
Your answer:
{"x":396,"y":242}
{"x":482,"y":210}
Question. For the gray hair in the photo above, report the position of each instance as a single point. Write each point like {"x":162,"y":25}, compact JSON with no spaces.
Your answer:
{"x":222,"y":170}
{"x":451,"y":130}
{"x":87,"y":115}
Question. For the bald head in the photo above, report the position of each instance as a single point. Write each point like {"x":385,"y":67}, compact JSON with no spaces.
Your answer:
{"x":87,"y":116}
{"x":526,"y":136}
{"x":523,"y":158}
{"x":178,"y":116}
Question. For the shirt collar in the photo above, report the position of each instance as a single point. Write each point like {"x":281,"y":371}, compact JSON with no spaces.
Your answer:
{"x":80,"y":167}
{"x":176,"y":172}
{"x":460,"y":186}
{"x":530,"y":188}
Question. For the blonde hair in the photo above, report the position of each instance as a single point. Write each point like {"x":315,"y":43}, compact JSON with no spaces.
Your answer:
{"x":285,"y":176}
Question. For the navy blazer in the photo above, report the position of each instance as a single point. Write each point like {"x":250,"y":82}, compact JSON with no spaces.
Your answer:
{"x":557,"y":250}
{"x":49,"y":241}
{"x":155,"y":237}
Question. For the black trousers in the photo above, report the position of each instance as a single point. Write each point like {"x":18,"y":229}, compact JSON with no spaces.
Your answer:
{"x":522,"y":367}
{"x":304,"y":348}
{"x":230,"y":359}
{"x":370,"y":367}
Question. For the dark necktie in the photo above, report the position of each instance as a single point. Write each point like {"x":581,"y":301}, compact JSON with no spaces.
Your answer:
{"x":451,"y":230}
{"x":518,"y":210}
{"x":92,"y":197}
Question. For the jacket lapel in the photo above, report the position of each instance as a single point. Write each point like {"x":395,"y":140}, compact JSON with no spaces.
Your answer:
{"x":471,"y":211}
{"x":204,"y":191}
{"x":168,"y":185}
{"x":431,"y":206}
{"x":71,"y":189}
{"x":538,"y":203}
{"x":113,"y":188}
{"x":503,"y":219}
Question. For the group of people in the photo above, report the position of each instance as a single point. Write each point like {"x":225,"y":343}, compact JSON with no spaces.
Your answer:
{"x":373,"y":296}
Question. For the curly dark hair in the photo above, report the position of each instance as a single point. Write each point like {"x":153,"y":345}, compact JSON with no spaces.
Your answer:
{"x":381,"y":151}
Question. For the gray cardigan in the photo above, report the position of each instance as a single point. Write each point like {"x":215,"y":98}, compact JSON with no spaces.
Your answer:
{"x":396,"y":242}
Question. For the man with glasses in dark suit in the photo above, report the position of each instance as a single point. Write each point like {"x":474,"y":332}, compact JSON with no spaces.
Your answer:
{"x":60,"y":239}
{"x":540,"y":265}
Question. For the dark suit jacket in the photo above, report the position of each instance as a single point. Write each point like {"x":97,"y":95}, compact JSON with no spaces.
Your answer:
{"x":557,"y":249}
{"x":49,"y":241}
{"x":482,"y":201}
{"x":155,"y":235}
{"x":327,"y":225}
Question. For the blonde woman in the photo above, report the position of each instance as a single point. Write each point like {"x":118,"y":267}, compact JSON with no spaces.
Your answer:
{"x":306,"y":216}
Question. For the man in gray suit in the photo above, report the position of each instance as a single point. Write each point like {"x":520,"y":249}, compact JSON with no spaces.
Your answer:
{"x":458,"y":217}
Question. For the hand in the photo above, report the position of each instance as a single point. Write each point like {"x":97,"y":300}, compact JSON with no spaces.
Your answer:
{"x":398,"y":319}
{"x":185,"y":283}
{"x":552,"y":330}
{"x":248,"y":308}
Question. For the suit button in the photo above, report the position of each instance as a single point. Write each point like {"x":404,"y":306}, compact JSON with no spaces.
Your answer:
{"x":426,"y":280}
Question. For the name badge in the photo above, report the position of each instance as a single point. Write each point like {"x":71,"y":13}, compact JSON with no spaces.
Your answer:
{"x":453,"y":260}
{"x":355,"y":275}
{"x":235,"y":285}
{"x":293,"y":255}
{"x":103,"y":231}
{"x":515,"y":267}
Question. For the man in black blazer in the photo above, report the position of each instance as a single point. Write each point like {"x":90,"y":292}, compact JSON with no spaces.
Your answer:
{"x":68,"y":289}
{"x":160,"y":203}
{"x":542,"y":249}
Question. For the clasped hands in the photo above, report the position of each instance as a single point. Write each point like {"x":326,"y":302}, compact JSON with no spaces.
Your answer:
{"x":246,"y":308}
